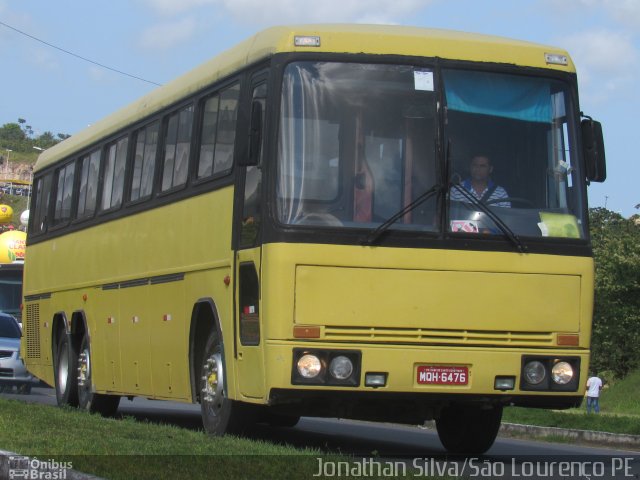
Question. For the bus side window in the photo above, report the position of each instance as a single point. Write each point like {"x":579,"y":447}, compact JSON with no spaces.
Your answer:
{"x":176,"y":149}
{"x":113,"y":182}
{"x":42,"y":194}
{"x":144,"y":161}
{"x":88,"y":194}
{"x":218,"y":133}
{"x":64,"y":193}
{"x":252,"y":211}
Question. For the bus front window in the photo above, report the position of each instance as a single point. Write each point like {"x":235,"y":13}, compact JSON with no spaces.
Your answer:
{"x":513,"y":154}
{"x":356,"y":145}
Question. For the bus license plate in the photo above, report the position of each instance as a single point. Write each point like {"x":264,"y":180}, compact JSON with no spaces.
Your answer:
{"x":442,"y":375}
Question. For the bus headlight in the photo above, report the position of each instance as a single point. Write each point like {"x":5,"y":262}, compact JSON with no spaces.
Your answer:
{"x":534,"y":372}
{"x":309,"y":366}
{"x":562,"y":373}
{"x":317,"y":366}
{"x":341,"y":367}
{"x":542,"y":373}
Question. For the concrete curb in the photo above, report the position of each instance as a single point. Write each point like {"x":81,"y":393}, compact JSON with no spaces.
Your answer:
{"x":617,"y":440}
{"x":14,"y":465}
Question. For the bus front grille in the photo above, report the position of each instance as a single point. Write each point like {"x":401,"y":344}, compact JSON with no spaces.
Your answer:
{"x":439,"y":336}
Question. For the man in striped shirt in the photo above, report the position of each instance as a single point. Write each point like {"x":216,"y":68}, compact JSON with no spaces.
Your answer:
{"x":480,"y":185}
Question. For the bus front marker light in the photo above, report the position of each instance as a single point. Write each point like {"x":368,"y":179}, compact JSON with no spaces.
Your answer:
{"x":534,"y":372}
{"x":375,"y":379}
{"x":341,"y":367}
{"x":309,"y":366}
{"x":504,"y":383}
{"x":556,"y":59}
{"x":562,"y":373}
{"x":306,"y":41}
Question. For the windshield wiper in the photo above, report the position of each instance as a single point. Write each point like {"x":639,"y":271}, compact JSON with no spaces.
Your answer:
{"x":504,"y":228}
{"x":383,"y":227}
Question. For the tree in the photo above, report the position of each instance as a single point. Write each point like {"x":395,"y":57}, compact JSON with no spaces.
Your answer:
{"x":11,"y":133}
{"x":20,"y":137}
{"x":46,"y":140}
{"x":616,"y":327}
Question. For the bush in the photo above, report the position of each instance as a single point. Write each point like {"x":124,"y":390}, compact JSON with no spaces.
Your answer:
{"x":616,"y":323}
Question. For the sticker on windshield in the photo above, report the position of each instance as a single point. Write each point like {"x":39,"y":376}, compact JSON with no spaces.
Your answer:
{"x":464,"y":226}
{"x":423,"y":80}
{"x":559,"y":225}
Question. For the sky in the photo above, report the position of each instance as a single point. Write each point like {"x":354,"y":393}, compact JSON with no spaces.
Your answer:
{"x":153,"y":41}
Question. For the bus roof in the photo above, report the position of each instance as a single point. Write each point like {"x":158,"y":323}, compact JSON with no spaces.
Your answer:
{"x":338,"y":38}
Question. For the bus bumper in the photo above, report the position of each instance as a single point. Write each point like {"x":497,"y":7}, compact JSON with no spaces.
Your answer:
{"x":422,"y":378}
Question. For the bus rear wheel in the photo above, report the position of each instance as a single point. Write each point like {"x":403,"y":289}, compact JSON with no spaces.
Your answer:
{"x":66,"y":366}
{"x":105,"y":405}
{"x":220,"y":414}
{"x":467,"y":429}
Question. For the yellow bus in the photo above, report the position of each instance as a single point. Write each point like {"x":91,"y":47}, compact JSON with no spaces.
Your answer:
{"x":288,"y":231}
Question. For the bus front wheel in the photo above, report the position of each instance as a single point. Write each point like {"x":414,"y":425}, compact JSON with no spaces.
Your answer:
{"x":220,"y":414}
{"x":66,"y":366}
{"x":468,"y":429}
{"x":105,"y":405}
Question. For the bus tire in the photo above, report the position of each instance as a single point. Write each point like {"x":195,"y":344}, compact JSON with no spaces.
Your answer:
{"x":220,"y":414}
{"x":105,"y":405}
{"x":467,"y":429}
{"x":66,"y":368}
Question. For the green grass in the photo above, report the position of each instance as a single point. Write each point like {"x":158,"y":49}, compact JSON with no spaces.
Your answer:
{"x":619,"y":411}
{"x":125,"y":449}
{"x":130,"y":449}
{"x":622,"y":396}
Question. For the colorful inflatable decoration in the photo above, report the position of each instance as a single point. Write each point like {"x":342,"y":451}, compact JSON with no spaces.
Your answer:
{"x":6,"y":214}
{"x":12,"y":246}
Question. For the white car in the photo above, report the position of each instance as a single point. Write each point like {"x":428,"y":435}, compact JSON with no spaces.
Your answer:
{"x":12,"y":369}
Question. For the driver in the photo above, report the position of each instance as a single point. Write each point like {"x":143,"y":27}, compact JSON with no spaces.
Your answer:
{"x":480,"y":184}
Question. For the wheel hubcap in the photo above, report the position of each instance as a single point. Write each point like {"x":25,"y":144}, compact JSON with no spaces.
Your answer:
{"x":84,"y":369}
{"x":213,"y":383}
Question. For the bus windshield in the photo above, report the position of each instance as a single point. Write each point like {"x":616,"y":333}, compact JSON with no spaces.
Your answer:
{"x":357,"y":144}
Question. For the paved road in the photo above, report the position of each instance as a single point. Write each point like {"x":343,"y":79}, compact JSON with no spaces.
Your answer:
{"x":416,"y":446}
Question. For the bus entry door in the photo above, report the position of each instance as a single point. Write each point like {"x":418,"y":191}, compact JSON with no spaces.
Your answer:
{"x":250,"y":352}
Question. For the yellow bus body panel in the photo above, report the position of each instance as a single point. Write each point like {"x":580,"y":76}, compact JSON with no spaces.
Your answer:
{"x":139,"y":333}
{"x":405,"y":307}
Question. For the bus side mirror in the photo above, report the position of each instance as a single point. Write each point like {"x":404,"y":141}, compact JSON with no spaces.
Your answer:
{"x":255,"y":136}
{"x":593,"y":148}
